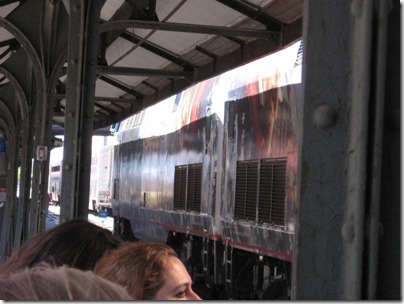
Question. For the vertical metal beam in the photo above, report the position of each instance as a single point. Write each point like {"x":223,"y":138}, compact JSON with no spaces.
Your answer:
{"x":43,"y":203}
{"x":389,"y":274}
{"x":26,"y":184}
{"x":38,"y":176}
{"x":24,"y":179}
{"x":82,"y":59}
{"x":330,"y":228}
{"x":354,"y":229}
{"x":10,"y":160}
{"x":49,"y":16}
{"x":376,"y":139}
{"x":8,"y":221}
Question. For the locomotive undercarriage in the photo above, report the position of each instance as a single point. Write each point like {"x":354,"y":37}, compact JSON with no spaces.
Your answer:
{"x":223,"y":272}
{"x":123,"y":229}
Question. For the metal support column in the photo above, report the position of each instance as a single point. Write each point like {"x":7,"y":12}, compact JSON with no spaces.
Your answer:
{"x":51,"y":13}
{"x":84,"y":17}
{"x":24,"y":179}
{"x":9,"y":219}
{"x":332,"y":231}
{"x":7,"y":209}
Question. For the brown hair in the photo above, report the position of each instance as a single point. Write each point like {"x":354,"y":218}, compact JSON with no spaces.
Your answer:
{"x":76,"y":243}
{"x":140,"y":267}
{"x":44,"y":282}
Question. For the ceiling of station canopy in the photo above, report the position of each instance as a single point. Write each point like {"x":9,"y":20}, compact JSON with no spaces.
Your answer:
{"x":153,"y":49}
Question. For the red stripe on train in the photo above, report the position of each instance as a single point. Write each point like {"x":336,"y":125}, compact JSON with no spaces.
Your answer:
{"x":215,"y":237}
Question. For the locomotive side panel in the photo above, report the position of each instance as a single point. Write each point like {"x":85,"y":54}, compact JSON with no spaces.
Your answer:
{"x":260,"y":165}
{"x":164,"y":183}
{"x":260,"y":173}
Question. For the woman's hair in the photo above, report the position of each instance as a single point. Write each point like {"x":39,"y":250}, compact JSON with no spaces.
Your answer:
{"x":140,"y":267}
{"x":76,"y":243}
{"x":44,"y":282}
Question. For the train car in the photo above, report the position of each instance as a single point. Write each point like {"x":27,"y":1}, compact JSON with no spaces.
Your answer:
{"x":101,"y":183}
{"x":55,"y":181}
{"x":100,"y":177}
{"x":212,"y":172}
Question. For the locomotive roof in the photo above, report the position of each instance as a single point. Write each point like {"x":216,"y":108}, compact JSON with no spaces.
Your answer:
{"x":208,"y":97}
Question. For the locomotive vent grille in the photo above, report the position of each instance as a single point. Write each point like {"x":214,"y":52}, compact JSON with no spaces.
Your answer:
{"x":261,"y":191}
{"x":272,"y":194}
{"x":180,"y":187}
{"x":246,"y":190}
{"x":187,"y":187}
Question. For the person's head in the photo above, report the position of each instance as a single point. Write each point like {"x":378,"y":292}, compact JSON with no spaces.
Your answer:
{"x":76,"y":243}
{"x":149,"y":271}
{"x":45,"y":283}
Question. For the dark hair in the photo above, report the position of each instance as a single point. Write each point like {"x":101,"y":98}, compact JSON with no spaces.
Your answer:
{"x":140,"y":267}
{"x":46,"y":283}
{"x":76,"y":243}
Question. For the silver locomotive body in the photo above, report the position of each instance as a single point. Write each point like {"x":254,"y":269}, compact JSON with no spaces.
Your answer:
{"x":212,"y":172}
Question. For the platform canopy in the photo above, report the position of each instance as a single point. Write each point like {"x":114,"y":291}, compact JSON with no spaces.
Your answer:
{"x":149,"y":49}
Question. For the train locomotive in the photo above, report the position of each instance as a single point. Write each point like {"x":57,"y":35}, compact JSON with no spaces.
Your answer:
{"x":212,"y":172}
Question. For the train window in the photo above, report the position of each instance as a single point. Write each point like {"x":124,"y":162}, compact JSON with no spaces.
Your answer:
{"x":138,"y":119}
{"x":176,"y":102}
{"x":261,"y":191}
{"x":55,"y":168}
{"x":187,"y":187}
